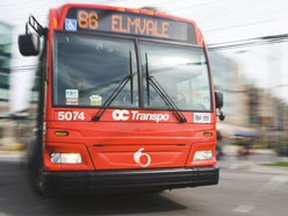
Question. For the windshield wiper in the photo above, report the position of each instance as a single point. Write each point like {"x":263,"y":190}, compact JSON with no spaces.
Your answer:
{"x":115,"y":93}
{"x":162,"y":93}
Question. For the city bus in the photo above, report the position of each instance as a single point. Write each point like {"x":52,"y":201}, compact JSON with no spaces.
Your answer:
{"x":126,"y":102}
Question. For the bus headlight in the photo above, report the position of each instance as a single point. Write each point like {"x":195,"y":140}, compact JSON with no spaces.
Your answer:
{"x":203,"y":155}
{"x":66,"y":158}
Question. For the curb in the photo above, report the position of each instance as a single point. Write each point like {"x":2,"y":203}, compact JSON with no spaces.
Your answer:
{"x":268,"y":169}
{"x":18,"y":147}
{"x":12,"y":156}
{"x":254,"y":167}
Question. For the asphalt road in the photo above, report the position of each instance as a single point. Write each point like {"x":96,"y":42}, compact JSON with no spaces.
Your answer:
{"x":240,"y":192}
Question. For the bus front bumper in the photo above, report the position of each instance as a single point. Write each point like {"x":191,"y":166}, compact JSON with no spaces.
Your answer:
{"x":129,"y":180}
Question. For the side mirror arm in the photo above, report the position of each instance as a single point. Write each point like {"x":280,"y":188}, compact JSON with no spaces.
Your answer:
{"x":221,"y":115}
{"x":219,"y":100}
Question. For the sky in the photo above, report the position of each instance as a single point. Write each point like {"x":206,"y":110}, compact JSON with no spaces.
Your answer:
{"x":220,"y":21}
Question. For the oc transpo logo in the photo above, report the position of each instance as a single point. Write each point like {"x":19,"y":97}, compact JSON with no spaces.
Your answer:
{"x":120,"y":115}
{"x":125,"y":115}
{"x":142,"y":159}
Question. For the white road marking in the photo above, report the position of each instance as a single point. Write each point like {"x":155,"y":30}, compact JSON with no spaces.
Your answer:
{"x":274,"y":183}
{"x":244,"y":208}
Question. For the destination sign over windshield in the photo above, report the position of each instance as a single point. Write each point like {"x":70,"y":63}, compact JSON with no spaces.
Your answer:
{"x":87,"y":19}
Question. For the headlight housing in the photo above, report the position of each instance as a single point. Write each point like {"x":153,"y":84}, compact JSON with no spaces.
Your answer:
{"x":203,"y":155}
{"x":65,"y":158}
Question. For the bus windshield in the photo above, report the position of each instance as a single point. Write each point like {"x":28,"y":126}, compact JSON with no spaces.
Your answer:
{"x":87,"y":69}
{"x":181,"y":71}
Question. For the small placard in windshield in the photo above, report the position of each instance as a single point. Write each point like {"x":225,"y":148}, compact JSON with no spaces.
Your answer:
{"x":87,"y":19}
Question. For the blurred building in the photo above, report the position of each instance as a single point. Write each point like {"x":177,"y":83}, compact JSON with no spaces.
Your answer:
{"x":270,"y":115}
{"x":250,"y":111}
{"x":5,"y":62}
{"x":228,"y":80}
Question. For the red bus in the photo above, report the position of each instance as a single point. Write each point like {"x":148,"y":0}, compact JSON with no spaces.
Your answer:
{"x":126,"y":102}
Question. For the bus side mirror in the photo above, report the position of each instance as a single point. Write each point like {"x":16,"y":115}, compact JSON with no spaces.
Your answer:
{"x":219,"y":100}
{"x":219,"y":104}
{"x":29,"y":44}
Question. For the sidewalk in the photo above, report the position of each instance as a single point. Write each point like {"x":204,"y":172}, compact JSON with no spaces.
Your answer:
{"x":11,"y":151}
{"x":12,"y":156}
{"x":253,"y":163}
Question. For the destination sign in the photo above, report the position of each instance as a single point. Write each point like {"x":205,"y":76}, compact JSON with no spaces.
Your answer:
{"x":87,"y":19}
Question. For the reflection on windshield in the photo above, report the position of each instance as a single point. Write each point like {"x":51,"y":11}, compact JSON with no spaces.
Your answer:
{"x":181,"y":71}
{"x":87,"y":69}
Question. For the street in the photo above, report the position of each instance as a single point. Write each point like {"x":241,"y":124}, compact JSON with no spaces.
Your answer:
{"x":240,"y":192}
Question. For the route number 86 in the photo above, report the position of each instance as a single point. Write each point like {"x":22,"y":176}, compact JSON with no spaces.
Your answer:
{"x":87,"y":20}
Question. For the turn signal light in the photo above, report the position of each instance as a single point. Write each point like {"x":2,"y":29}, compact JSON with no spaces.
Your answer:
{"x":207,"y":134}
{"x":61,"y":133}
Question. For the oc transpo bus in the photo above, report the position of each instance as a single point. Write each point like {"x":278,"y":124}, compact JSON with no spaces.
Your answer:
{"x":126,"y":102}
